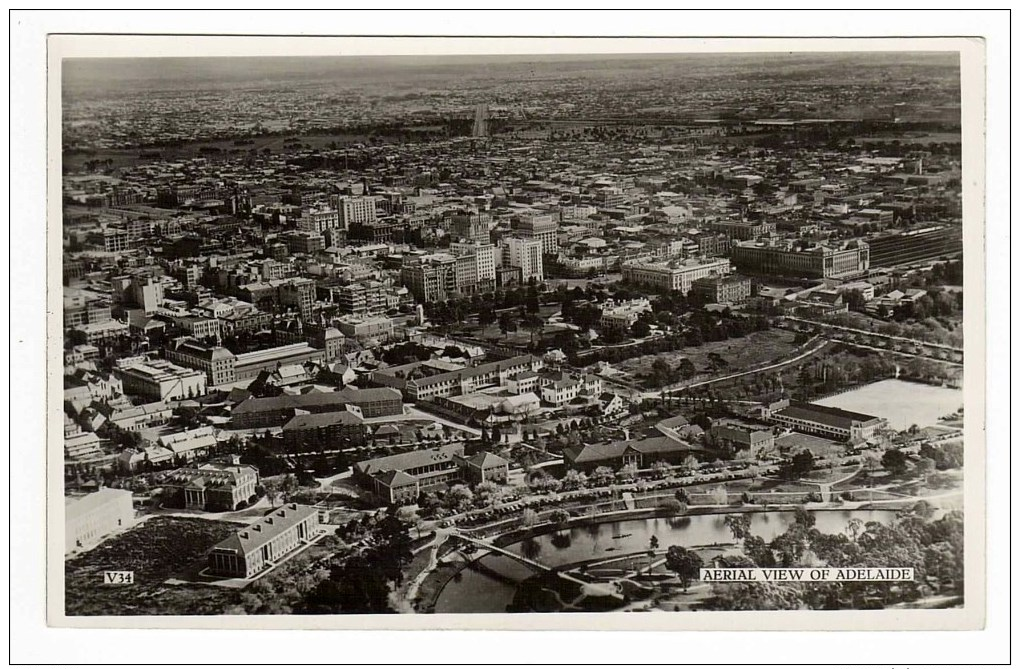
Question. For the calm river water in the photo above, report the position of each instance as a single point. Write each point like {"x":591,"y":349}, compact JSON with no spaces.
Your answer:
{"x":488,"y":585}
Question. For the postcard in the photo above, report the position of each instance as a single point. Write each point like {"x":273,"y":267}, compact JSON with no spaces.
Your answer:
{"x":637,"y":340}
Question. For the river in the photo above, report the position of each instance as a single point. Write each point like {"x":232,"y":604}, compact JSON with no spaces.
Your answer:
{"x":902,"y":403}
{"x":488,"y":585}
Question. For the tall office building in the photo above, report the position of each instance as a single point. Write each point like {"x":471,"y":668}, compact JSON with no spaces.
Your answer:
{"x":525,"y":254}
{"x":541,"y":227}
{"x":355,"y":211}
{"x":317,"y":221}
{"x":430,"y":278}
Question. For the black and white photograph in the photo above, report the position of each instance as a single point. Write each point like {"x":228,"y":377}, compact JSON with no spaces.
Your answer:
{"x":428,"y":336}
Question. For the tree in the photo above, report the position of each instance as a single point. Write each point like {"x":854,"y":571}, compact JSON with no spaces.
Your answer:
{"x":661,"y":469}
{"x":871,"y":461}
{"x":640,"y":329}
{"x":739,"y":526}
{"x":689,"y":464}
{"x":602,"y":476}
{"x":288,"y":486}
{"x":559,"y":516}
{"x":801,"y":463}
{"x":458,"y":498}
{"x":684,"y":563}
{"x":409,"y":516}
{"x":925,"y":467}
{"x":753,"y":472}
{"x":628,"y":472}
{"x":529,"y":517}
{"x":895,"y":461}
{"x":272,"y":489}
{"x":574,"y":480}
{"x":673,"y":506}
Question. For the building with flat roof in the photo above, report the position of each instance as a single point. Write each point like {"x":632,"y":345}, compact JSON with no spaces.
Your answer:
{"x":793,"y":259}
{"x":90,"y":519}
{"x":430,"y":278}
{"x":162,"y":380}
{"x":732,"y":289}
{"x":820,"y":420}
{"x":266,"y":542}
{"x":525,"y":254}
{"x":540,"y":227}
{"x":673,"y":275}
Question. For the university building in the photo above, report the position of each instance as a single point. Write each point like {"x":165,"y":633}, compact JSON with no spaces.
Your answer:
{"x":823,"y":421}
{"x":211,"y":486}
{"x":263,"y":544}
{"x":91,"y":518}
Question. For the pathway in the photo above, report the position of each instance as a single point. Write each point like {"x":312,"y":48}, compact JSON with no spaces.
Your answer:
{"x":658,"y":393}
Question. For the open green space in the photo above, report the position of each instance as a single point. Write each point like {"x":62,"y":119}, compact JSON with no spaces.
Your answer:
{"x":757,"y":348}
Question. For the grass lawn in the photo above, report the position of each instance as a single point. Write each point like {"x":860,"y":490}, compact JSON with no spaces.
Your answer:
{"x":155,"y":550}
{"x":826,"y":475}
{"x":755,"y":349}
{"x":796,"y":442}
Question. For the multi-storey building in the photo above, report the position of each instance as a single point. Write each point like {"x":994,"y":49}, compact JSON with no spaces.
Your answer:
{"x":399,"y":478}
{"x":299,"y":294}
{"x":541,"y":227}
{"x":218,"y":363}
{"x":91,"y":518}
{"x":742,"y":230}
{"x":474,"y":228}
{"x":622,"y":315}
{"x":356,"y":211}
{"x":732,"y":289}
{"x":430,"y":278}
{"x":305,"y":242}
{"x":362,"y":299}
{"x":330,"y":429}
{"x":796,"y":260}
{"x":484,"y":260}
{"x":212,"y":486}
{"x":820,"y":420}
{"x":675,"y":275}
{"x":455,"y":382}
{"x":525,"y":254}
{"x":115,"y":240}
{"x":317,"y":221}
{"x":266,"y":542}
{"x":162,"y":380}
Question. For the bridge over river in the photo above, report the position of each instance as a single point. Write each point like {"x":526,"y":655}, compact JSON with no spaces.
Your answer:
{"x":587,"y":587}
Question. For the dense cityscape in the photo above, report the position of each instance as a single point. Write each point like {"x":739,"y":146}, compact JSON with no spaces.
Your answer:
{"x":511,"y":334}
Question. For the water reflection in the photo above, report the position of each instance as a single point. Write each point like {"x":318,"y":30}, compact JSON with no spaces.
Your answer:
{"x":561,"y":540}
{"x":490,"y":587}
{"x":530,"y":548}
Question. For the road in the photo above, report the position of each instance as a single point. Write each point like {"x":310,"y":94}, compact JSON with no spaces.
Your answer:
{"x":811,"y":351}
